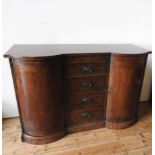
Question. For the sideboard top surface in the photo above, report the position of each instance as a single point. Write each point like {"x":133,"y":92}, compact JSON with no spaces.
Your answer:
{"x":47,"y":50}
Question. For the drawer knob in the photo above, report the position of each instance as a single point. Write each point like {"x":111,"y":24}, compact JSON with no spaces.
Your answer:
{"x":87,"y":84}
{"x":86,"y":100}
{"x":86,"y":115}
{"x":87,"y":69}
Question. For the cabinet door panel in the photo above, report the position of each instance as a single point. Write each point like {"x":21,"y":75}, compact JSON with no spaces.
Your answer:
{"x":126,"y":77}
{"x":39,"y":93}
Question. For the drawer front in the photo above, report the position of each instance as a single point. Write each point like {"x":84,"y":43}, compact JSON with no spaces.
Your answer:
{"x":86,"y":69}
{"x":85,"y":115}
{"x":84,"y":99}
{"x":85,"y":84}
{"x":84,"y":58}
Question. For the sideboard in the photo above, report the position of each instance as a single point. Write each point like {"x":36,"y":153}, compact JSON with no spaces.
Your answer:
{"x":66,"y":88}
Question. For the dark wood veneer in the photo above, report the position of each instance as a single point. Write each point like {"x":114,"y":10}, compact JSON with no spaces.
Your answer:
{"x":125,"y":81}
{"x":62,"y":89}
{"x":84,"y":99}
{"x":79,"y":84}
{"x":86,"y":69}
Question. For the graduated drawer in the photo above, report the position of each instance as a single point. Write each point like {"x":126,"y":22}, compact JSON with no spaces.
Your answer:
{"x":86,"y":84}
{"x":84,"y":58}
{"x":86,"y":69}
{"x":84,"y":115}
{"x":84,"y":99}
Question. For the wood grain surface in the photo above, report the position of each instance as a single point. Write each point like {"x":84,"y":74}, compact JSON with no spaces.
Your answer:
{"x":46,"y":50}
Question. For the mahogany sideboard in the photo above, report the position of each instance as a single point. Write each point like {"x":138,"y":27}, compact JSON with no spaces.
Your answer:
{"x":69,"y":88}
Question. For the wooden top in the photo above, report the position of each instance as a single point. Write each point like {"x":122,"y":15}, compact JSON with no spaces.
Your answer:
{"x":46,"y":50}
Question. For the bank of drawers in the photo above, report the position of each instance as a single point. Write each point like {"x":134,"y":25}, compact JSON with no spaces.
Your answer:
{"x":85,"y":87}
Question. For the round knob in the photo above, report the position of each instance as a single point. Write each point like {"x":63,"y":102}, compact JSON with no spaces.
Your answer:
{"x":86,"y":69}
{"x":86,"y":115}
{"x":86,"y":100}
{"x":87,"y":84}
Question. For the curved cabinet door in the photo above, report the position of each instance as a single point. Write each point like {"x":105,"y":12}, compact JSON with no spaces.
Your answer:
{"x":38,"y":87}
{"x":125,"y":81}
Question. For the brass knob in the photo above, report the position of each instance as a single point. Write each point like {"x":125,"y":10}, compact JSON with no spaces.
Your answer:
{"x":86,"y":69}
{"x":86,"y":100}
{"x":86,"y":115}
{"x":87,"y":84}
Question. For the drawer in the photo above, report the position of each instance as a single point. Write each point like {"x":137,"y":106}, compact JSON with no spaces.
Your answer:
{"x":84,"y":115}
{"x":86,"y":69}
{"x":90,"y":84}
{"x":84,"y":99}
{"x":84,"y":58}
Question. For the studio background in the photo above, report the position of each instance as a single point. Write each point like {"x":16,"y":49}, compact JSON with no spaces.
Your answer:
{"x":73,"y":22}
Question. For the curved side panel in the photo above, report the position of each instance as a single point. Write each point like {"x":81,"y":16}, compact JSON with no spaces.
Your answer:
{"x":39,"y":90}
{"x":125,"y":82}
